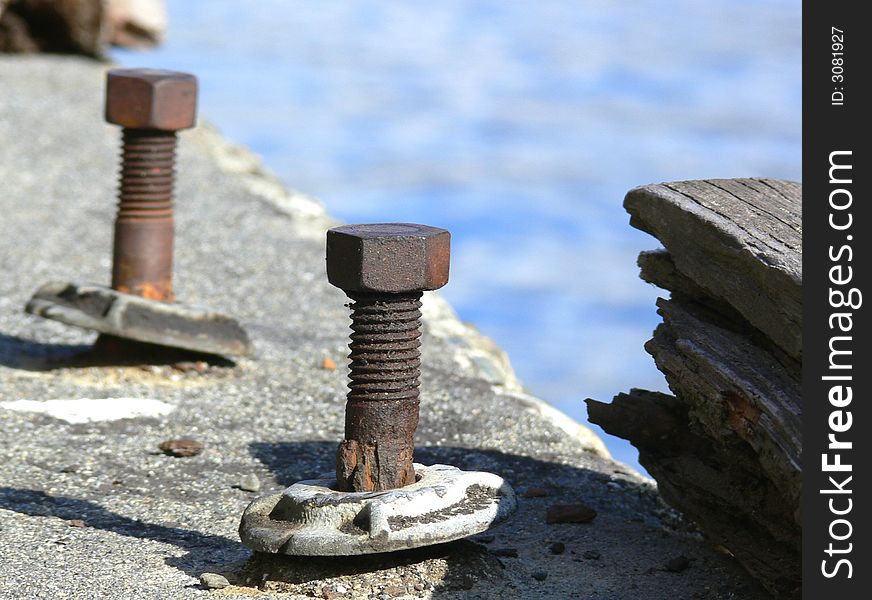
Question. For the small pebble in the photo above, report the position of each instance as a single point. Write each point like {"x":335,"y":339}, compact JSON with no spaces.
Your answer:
{"x":199,"y":366}
{"x":569,"y":513}
{"x":557,"y":548}
{"x":76,"y":523}
{"x":329,"y":593}
{"x":592,"y":555}
{"x":394,"y":590}
{"x":328,"y":363}
{"x":540,"y":575}
{"x":249,"y":483}
{"x":507,"y":552}
{"x":213,"y":581}
{"x":181,"y":448}
{"x":677,"y":564}
{"x":420,"y":587}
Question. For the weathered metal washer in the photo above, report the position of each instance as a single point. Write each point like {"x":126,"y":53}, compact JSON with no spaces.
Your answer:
{"x":131,"y":317}
{"x":312,"y":518}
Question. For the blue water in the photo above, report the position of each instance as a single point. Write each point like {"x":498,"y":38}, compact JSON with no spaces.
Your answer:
{"x":517,"y":125}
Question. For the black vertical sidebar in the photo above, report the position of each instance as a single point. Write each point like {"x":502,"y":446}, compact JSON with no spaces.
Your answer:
{"x":837,"y":366}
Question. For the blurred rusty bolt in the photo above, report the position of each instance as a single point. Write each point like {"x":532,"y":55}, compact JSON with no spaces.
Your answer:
{"x":151,"y":105}
{"x":383,"y":268}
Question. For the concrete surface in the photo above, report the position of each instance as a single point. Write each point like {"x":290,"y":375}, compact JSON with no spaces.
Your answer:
{"x":90,"y":508}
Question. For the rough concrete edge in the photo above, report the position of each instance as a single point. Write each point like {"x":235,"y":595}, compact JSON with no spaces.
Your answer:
{"x":241,"y":162}
{"x":588,"y":439}
{"x":480,"y":355}
{"x":473,"y":352}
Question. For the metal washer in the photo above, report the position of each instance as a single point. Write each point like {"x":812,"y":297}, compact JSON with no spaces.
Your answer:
{"x":105,"y":310}
{"x":312,"y":518}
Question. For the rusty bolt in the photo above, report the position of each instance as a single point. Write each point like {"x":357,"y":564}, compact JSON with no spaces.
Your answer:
{"x":383,"y":268}
{"x":151,"y":105}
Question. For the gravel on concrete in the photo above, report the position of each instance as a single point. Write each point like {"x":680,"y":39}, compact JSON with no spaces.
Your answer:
{"x":248,"y":247}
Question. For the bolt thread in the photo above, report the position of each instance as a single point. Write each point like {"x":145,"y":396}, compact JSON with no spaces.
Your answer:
{"x":142,"y":262}
{"x":147,"y":174}
{"x":385,"y":359}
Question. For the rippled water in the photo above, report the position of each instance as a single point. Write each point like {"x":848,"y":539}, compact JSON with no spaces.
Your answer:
{"x":517,"y":125}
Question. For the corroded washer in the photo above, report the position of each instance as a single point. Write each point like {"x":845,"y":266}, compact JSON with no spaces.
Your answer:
{"x":124,"y":315}
{"x":311,"y":518}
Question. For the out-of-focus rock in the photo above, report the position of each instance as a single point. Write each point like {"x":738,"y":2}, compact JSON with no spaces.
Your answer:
{"x":80,"y":26}
{"x":57,"y":26}
{"x":136,"y":23}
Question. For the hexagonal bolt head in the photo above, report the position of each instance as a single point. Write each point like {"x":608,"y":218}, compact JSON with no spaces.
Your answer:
{"x":151,"y":99}
{"x":388,"y":258}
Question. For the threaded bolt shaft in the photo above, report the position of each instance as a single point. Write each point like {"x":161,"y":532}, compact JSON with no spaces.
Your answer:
{"x":381,"y":413}
{"x":144,"y":228}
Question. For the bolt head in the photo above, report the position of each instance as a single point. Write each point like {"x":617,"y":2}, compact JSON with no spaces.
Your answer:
{"x":151,"y":99}
{"x":388,"y":257}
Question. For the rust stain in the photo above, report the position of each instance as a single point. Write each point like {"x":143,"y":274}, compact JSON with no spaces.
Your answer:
{"x":743,"y":416}
{"x":155,"y":292}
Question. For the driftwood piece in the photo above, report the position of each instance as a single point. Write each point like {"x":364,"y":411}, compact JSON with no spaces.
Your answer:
{"x":726,"y":448}
{"x":739,"y":239}
{"x":733,"y":387}
{"x":716,"y":485}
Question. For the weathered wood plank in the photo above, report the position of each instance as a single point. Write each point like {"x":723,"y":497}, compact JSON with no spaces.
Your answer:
{"x":714,"y":483}
{"x":733,"y":388}
{"x":726,"y":448}
{"x":658,"y":268}
{"x":738,"y":239}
